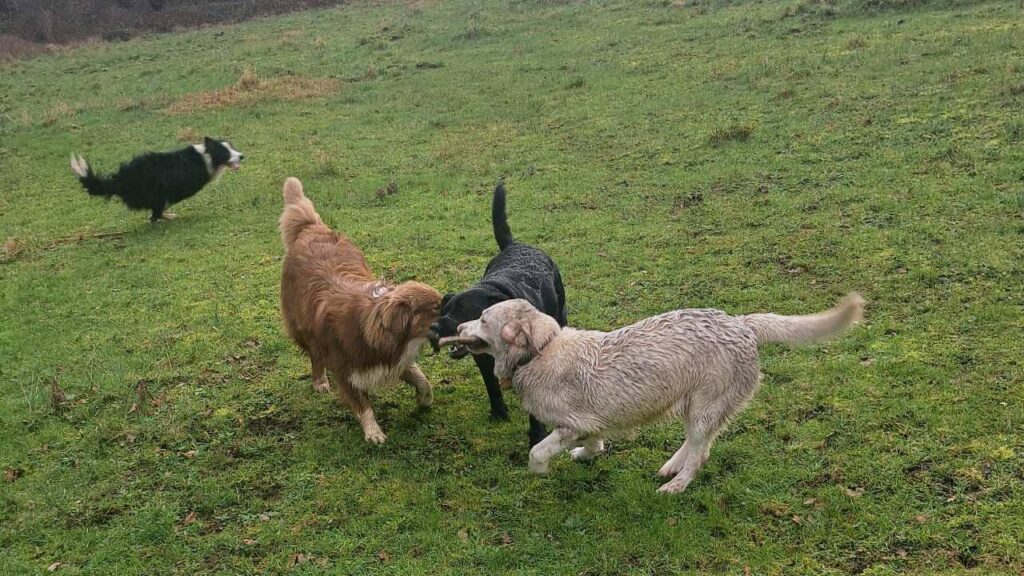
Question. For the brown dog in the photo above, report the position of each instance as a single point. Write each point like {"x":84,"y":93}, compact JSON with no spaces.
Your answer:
{"x":365,"y":331}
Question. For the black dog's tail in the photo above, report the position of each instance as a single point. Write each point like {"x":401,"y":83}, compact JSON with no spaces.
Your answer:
{"x":93,"y":184}
{"x":502,"y":233}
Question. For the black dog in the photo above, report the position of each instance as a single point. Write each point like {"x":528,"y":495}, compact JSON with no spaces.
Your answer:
{"x":155,"y":180}
{"x":518,"y":271}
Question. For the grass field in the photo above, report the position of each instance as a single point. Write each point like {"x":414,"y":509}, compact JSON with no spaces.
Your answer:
{"x":747,"y":156}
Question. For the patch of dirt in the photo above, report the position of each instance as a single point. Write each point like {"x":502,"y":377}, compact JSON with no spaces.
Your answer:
{"x":251,"y":90}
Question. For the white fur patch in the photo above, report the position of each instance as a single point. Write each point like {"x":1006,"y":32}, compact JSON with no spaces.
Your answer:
{"x":207,"y":159}
{"x":377,"y":376}
{"x":79,"y":166}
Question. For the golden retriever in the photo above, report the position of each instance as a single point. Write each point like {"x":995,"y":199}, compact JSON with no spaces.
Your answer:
{"x":365,"y":331}
{"x":698,"y":365}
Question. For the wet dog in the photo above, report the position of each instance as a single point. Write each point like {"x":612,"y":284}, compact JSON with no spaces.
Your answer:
{"x":698,"y":365}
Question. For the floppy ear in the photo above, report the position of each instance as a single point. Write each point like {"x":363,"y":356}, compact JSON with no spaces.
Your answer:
{"x":512,"y":334}
{"x":533,"y":335}
{"x":388,"y":323}
{"x":445,"y":299}
{"x":207,"y":140}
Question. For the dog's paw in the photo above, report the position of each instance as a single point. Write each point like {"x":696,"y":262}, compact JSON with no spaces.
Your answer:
{"x":425,"y":400}
{"x":500,"y":415}
{"x":669,"y":470}
{"x":322,"y":385}
{"x":673,"y":487}
{"x":168,"y":215}
{"x":538,"y":467}
{"x":581,"y":454}
{"x":375,"y":436}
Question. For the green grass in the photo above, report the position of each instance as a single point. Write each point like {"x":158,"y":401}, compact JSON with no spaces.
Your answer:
{"x":745,"y":156}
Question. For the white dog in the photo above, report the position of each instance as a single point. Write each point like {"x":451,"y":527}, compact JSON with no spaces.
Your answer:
{"x":700,"y":365}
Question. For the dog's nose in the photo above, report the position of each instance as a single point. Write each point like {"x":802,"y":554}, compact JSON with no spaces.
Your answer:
{"x":241,"y":156}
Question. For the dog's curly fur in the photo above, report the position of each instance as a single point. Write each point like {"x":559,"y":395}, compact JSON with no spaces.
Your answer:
{"x":700,"y":365}
{"x":366,"y":332}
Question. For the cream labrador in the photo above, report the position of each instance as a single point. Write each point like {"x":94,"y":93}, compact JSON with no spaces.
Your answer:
{"x":698,"y":365}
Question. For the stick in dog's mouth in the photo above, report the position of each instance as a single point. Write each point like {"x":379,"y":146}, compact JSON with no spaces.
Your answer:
{"x":468,"y":341}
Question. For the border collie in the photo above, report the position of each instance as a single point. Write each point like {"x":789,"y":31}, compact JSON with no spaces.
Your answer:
{"x":517,"y":271}
{"x":155,"y":180}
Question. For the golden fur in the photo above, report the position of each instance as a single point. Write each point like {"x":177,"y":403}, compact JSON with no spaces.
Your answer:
{"x":365,"y":331}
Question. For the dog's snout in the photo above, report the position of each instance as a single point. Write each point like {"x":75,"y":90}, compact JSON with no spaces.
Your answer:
{"x":241,"y":156}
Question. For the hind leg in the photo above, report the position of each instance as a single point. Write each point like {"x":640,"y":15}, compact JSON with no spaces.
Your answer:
{"x":705,"y":416}
{"x":320,"y":382}
{"x":415,"y":378}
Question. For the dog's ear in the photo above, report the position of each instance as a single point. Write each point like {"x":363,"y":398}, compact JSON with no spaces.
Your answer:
{"x":388,"y":322}
{"x":513,"y":335}
{"x":207,"y":140}
{"x":532,"y":334}
{"x":444,"y":300}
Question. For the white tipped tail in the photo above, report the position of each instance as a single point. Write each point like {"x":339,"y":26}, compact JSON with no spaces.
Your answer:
{"x":79,"y":166}
{"x":298,"y":212}
{"x":808,"y":328}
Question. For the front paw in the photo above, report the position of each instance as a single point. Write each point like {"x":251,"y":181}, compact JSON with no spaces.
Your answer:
{"x":581,"y":453}
{"x":539,"y":466}
{"x":425,"y":400}
{"x":499,"y":413}
{"x":321,"y":385}
{"x":374,"y":436}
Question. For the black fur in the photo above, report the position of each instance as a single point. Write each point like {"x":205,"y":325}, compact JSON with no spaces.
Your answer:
{"x":518,"y":271}
{"x":155,"y":180}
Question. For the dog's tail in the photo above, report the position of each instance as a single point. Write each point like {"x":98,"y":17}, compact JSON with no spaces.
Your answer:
{"x":298,"y":212}
{"x":93,"y":184}
{"x":502,"y":233}
{"x":809,"y":328}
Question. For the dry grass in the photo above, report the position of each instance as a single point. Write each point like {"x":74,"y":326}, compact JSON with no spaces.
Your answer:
{"x":58,"y":112}
{"x":188,"y":135}
{"x":251,"y":90}
{"x":11,"y":249}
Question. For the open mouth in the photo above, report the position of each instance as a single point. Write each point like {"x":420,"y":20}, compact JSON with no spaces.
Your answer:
{"x":234,"y":166}
{"x":462,"y":345}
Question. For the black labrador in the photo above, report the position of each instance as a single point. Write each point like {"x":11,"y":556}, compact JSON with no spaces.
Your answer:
{"x":518,"y":271}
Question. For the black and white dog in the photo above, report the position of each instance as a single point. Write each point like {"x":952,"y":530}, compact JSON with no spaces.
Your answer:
{"x":155,"y":180}
{"x":518,"y":271}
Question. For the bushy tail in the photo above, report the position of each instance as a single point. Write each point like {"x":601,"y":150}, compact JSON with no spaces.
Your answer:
{"x":298,"y":212}
{"x":502,"y":233}
{"x":809,"y":328}
{"x":93,"y":184}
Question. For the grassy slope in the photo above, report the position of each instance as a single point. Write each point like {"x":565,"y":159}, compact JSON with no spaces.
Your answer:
{"x":884,"y":155}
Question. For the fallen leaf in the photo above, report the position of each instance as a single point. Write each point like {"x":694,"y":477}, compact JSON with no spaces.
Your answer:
{"x":264,"y":517}
{"x":189,"y":454}
{"x":188,"y":519}
{"x":951,"y":498}
{"x":383,"y":556}
{"x":12,"y":474}
{"x":53,"y":567}
{"x":464,"y":535}
{"x":746,"y":571}
{"x":854,"y":492}
{"x":297,"y":559}
{"x":921,"y":518}
{"x":134,"y":408}
{"x":810,"y":501}
{"x":672,"y":521}
{"x":901,"y":553}
{"x":797,"y":520}
{"x":248,"y":541}
{"x":506,"y":539}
